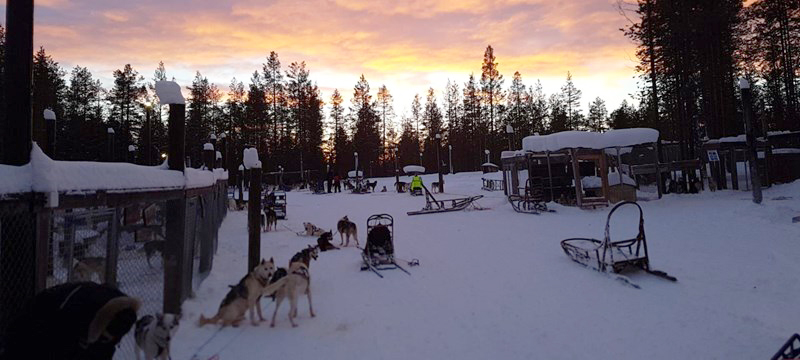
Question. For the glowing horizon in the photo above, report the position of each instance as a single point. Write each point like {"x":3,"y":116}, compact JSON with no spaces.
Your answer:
{"x":408,"y":46}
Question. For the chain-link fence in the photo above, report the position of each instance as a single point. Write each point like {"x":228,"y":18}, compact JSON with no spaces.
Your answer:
{"x":123,"y":246}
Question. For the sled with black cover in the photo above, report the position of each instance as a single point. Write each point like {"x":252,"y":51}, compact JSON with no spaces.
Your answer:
{"x":614,"y":256}
{"x":378,"y":253}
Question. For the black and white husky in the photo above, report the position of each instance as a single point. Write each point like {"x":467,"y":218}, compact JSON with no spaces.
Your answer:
{"x":153,"y":335}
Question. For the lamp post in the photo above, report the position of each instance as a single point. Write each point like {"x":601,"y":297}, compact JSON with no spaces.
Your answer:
{"x":755,"y":179}
{"x":240,"y":182}
{"x":439,"y":162}
{"x":148,"y":135}
{"x":131,"y":154}
{"x":50,"y":126}
{"x":420,"y":159}
{"x":510,"y":132}
{"x":396,"y":172}
{"x":487,"y":154}
{"x":450,"y":157}
{"x":356,"y":168}
{"x":110,"y":132}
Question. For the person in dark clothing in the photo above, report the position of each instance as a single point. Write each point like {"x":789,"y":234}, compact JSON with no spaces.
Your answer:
{"x":329,"y":180}
{"x":337,"y":183}
{"x":73,"y":321}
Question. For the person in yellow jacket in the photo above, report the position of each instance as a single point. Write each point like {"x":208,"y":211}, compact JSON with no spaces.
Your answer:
{"x":416,"y":183}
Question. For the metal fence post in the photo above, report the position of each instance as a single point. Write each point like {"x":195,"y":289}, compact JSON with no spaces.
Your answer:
{"x":112,"y":248}
{"x":254,"y":219}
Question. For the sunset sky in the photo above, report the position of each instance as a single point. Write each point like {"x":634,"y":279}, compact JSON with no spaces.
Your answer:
{"x":407,"y":45}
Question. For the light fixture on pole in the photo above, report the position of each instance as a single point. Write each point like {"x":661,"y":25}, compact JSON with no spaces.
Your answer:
{"x":510,"y":132}
{"x":450,"y":157}
{"x":420,"y":159}
{"x":148,"y":155}
{"x":487,"y":154}
{"x":396,"y":172}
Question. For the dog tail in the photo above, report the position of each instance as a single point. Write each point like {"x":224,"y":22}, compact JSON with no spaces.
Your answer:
{"x":204,"y":320}
{"x":272,"y":288}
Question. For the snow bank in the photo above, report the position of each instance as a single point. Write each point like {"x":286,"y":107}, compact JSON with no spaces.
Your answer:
{"x":408,"y":169}
{"x":208,"y":146}
{"x":490,"y":165}
{"x":196,"y":178}
{"x":251,"y":158}
{"x":784,"y":151}
{"x":15,"y":179}
{"x":589,"y":140}
{"x":169,"y":92}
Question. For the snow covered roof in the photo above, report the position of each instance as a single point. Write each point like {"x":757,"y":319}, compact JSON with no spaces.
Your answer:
{"x":251,"y":158}
{"x":49,"y":114}
{"x":169,"y":92}
{"x":511,"y":154}
{"x":489,"y":164}
{"x":352,"y":174}
{"x":589,"y":140}
{"x":409,"y":169}
{"x":46,"y":175}
{"x":208,"y":146}
{"x":219,"y":155}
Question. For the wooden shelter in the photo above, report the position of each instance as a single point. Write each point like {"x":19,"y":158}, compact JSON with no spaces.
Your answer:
{"x":567,"y":160}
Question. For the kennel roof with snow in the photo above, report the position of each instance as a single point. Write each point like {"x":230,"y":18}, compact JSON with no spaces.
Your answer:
{"x":352,"y":174}
{"x":413,"y":169}
{"x":589,"y":140}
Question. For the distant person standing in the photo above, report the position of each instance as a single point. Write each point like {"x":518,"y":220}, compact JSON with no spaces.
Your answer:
{"x":330,"y":180}
{"x":337,"y":183}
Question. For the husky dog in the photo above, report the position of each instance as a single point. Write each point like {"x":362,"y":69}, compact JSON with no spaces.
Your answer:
{"x":712,"y":184}
{"x":243,"y":297}
{"x":347,"y":227}
{"x":151,"y":247}
{"x":295,"y":283}
{"x":304,"y":256}
{"x":435,"y":186}
{"x":371,"y":185}
{"x":86,"y":267}
{"x":269,"y":219}
{"x":324,"y":242}
{"x":312,"y":230}
{"x":153,"y":335}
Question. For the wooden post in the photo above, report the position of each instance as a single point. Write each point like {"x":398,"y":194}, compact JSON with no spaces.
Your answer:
{"x":17,"y":131}
{"x":254,"y":219}
{"x":658,"y":170}
{"x":112,"y":248}
{"x":576,"y":174}
{"x":751,"y":141}
{"x":734,"y":170}
{"x":50,"y":128}
{"x":176,"y":263}
{"x":549,"y":175}
{"x":110,"y":142}
{"x":43,"y":218}
{"x":208,"y":156}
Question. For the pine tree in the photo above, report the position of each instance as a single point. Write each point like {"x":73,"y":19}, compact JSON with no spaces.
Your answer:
{"x":366,"y":137}
{"x":571,"y":98}
{"x":125,"y":113}
{"x":492,"y":94}
{"x":432,"y":118}
{"x":597,"y":115}
{"x":198,"y":121}
{"x":536,"y":104}
{"x":559,"y":119}
{"x":340,"y":144}
{"x":623,"y":117}
{"x":48,"y":93}
{"x":274,"y":89}
{"x":471,"y":157}
{"x":82,"y":134}
{"x":517,"y":115}
{"x":416,"y":115}
{"x":385,"y":113}
{"x":255,"y":112}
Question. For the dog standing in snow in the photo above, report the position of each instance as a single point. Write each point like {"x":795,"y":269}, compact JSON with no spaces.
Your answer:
{"x":347,"y":228}
{"x":243,"y":297}
{"x":153,"y":335}
{"x":295,"y":283}
{"x":269,"y":219}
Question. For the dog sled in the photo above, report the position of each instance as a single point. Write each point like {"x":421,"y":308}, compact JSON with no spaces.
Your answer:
{"x":433,"y":206}
{"x":280,"y":204}
{"x":789,"y":350}
{"x":614,"y":256}
{"x":492,"y":184}
{"x":378,"y":253}
{"x":532,"y":202}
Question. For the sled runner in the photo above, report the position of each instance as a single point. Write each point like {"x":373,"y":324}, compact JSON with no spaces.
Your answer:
{"x":789,"y":350}
{"x":532,"y":202}
{"x":436,"y":206}
{"x":614,"y":256}
{"x":378,"y":253}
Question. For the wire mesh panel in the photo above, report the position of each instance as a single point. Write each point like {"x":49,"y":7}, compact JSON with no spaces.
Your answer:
{"x":17,"y":262}
{"x":140,"y":266}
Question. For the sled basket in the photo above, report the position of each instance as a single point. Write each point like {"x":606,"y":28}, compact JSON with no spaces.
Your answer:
{"x":379,"y":249}
{"x":433,"y":206}
{"x":613,"y":256}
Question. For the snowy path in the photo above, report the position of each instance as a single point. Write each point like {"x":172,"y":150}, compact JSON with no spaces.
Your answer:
{"x":495,"y":284}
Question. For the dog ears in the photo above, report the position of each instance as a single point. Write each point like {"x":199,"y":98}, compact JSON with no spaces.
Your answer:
{"x":271,"y":260}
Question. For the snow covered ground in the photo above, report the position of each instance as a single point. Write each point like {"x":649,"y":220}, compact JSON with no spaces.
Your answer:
{"x":495,"y":284}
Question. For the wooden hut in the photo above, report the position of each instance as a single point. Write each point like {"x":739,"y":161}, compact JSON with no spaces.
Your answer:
{"x":568,"y":160}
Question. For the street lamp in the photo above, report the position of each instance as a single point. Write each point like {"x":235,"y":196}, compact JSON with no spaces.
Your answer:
{"x":396,"y":172}
{"x":450,"y":157}
{"x":510,"y":132}
{"x":439,"y":162}
{"x":487,"y":154}
{"x":148,"y":157}
{"x":420,"y":159}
